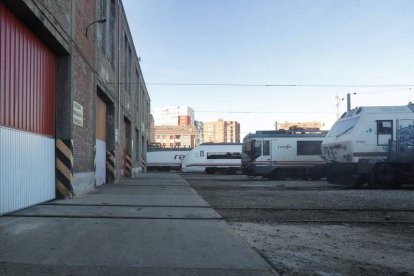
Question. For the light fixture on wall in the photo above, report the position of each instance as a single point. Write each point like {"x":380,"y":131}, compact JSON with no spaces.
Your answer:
{"x":102,"y":20}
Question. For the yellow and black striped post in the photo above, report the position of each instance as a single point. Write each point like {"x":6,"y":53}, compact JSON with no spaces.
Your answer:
{"x":64,"y":168}
{"x":110,"y":165}
{"x":128,"y":165}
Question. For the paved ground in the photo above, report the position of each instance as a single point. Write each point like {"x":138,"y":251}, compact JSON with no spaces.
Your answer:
{"x":152,"y":225}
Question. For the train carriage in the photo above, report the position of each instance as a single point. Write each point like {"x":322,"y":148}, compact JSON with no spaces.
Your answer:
{"x":283,"y":154}
{"x":165,"y":159}
{"x":213,"y":157}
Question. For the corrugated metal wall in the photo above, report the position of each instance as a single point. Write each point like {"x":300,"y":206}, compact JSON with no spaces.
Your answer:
{"x":27,"y":116}
{"x":27,"y":78}
{"x":25,"y":175}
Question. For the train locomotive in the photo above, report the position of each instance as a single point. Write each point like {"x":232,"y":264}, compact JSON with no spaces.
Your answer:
{"x":283,"y":154}
{"x":371,"y":145}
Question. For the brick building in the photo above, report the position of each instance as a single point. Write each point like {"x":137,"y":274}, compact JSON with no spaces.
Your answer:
{"x":71,"y":85}
{"x":304,"y":125}
{"x":221,"y":131}
{"x":176,"y":136}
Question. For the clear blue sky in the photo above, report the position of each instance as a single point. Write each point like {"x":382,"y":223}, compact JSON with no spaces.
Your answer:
{"x":273,"y":42}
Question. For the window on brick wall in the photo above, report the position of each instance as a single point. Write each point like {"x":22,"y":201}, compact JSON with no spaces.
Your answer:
{"x":137,"y":147}
{"x":111,"y":42}
{"x":127,"y":65}
{"x":138,"y":87}
{"x":101,"y":28}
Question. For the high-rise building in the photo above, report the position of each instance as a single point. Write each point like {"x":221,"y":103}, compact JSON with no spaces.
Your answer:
{"x":173,"y":116}
{"x":200,"y":129}
{"x":221,"y":131}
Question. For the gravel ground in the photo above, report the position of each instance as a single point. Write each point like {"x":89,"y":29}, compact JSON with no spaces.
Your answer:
{"x":333,"y":249}
{"x":352,"y":233}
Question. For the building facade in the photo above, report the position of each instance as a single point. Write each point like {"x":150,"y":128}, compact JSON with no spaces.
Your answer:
{"x":221,"y":131}
{"x":170,"y":116}
{"x":304,"y":125}
{"x":71,"y":85}
{"x":176,"y":136}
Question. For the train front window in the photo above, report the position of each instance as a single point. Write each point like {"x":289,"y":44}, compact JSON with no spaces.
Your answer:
{"x":343,"y":127}
{"x":257,"y":149}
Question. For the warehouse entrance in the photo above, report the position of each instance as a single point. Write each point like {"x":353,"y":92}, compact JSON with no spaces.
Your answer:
{"x":27,"y":117}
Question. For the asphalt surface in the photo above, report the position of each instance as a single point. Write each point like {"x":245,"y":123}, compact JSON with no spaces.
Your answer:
{"x":155,"y":224}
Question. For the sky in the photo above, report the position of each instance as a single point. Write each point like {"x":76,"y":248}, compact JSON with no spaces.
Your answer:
{"x":324,"y":48}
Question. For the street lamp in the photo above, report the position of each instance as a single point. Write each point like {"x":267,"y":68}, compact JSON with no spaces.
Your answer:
{"x":102,"y":20}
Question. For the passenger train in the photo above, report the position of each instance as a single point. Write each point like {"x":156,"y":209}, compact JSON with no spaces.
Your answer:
{"x":213,"y":157}
{"x":283,"y":154}
{"x":165,"y":159}
{"x":372,"y":145}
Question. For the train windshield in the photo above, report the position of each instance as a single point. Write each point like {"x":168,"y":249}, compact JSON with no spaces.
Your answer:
{"x":252,"y":149}
{"x":256,"y":149}
{"x":343,"y":127}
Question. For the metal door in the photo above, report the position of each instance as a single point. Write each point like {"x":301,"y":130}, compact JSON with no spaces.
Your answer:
{"x":100,"y":173}
{"x":27,"y":116}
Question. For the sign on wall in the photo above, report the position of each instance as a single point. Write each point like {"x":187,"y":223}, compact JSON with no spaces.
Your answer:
{"x":77,"y":114}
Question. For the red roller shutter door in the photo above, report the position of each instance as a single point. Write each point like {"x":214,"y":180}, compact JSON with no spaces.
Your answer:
{"x":27,"y":116}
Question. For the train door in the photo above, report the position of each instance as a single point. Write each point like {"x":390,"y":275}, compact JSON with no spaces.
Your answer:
{"x":405,"y":129}
{"x":100,"y":159}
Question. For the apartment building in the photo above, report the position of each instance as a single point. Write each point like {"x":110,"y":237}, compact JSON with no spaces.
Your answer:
{"x":221,"y":131}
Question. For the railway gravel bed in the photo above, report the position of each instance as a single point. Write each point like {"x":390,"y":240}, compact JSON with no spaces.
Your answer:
{"x":313,"y":228}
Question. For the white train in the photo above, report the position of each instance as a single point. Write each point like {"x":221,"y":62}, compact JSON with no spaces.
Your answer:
{"x":165,"y":159}
{"x":213,"y":157}
{"x":373,"y":145}
{"x":283,"y":154}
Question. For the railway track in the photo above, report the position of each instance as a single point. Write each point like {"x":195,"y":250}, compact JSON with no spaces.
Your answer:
{"x":316,"y":215}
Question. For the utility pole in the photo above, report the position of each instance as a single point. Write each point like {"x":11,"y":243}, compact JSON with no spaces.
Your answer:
{"x":338,"y":103}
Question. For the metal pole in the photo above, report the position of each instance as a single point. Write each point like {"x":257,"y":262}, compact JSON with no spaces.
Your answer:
{"x":348,"y":102}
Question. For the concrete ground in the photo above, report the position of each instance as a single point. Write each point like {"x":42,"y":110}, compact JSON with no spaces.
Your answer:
{"x":155,"y":224}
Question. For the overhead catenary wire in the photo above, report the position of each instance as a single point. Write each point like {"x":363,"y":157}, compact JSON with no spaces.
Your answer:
{"x":268,"y":85}
{"x":279,"y":85}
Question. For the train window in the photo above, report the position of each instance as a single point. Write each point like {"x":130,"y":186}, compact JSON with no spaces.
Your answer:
{"x":266,"y":148}
{"x":223,"y":155}
{"x":384,"y":132}
{"x":201,"y":153}
{"x":309,"y":147}
{"x":384,"y":127}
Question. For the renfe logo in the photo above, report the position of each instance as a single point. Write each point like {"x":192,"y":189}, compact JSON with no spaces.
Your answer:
{"x":181,"y":157}
{"x":284,"y":147}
